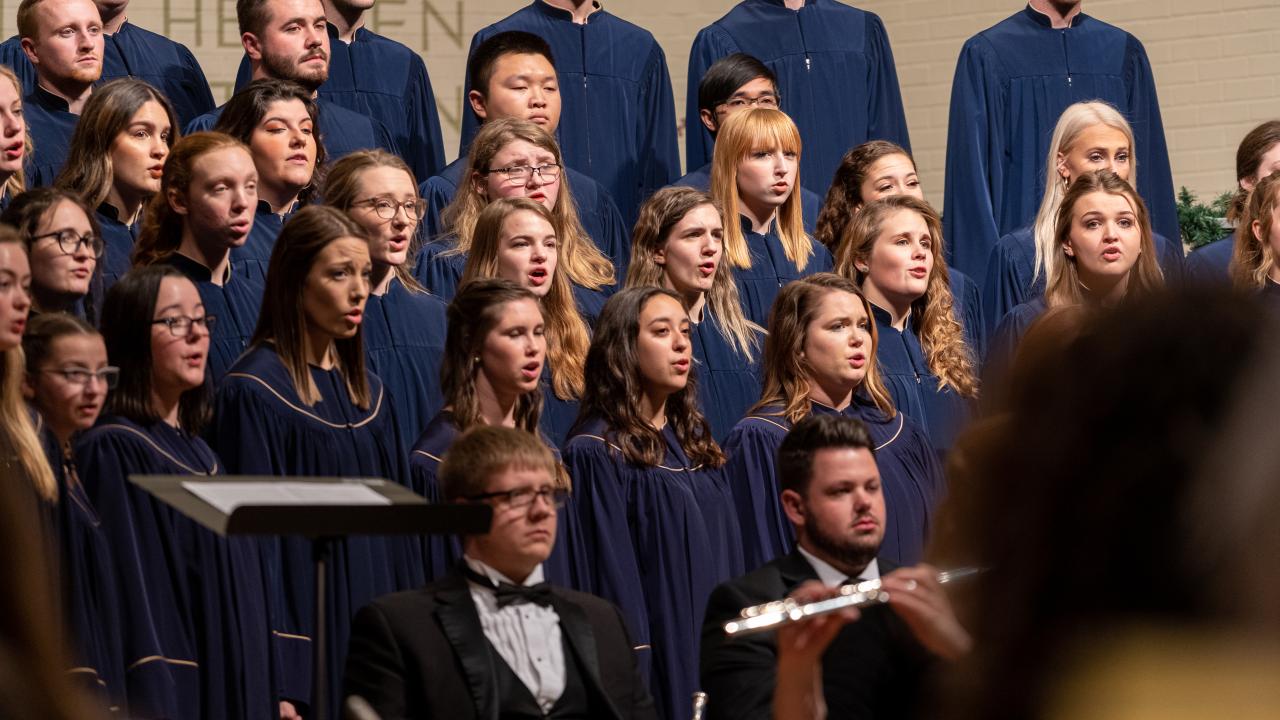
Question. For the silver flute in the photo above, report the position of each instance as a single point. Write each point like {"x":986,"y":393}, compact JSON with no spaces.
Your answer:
{"x":771,"y":615}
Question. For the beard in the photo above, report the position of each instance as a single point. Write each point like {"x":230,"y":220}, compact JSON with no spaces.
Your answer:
{"x":854,"y":553}
{"x":286,"y":67}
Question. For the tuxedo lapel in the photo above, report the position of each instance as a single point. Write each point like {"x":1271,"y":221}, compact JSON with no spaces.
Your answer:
{"x":457,"y":614}
{"x":582,"y":643}
{"x":794,"y":569}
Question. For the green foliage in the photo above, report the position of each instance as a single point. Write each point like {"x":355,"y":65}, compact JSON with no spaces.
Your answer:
{"x":1201,"y":224}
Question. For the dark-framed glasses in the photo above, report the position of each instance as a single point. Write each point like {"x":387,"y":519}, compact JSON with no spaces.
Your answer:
{"x":82,"y":376}
{"x":767,"y":100}
{"x":70,"y":242}
{"x":180,"y":326}
{"x":520,"y":174}
{"x":523,"y":497}
{"x":386,"y":208}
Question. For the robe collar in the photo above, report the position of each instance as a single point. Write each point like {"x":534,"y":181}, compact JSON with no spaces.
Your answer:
{"x":47,"y":100}
{"x":883,"y":317}
{"x":562,"y":14}
{"x":194,"y":269}
{"x":782,"y":3}
{"x":1041,"y":19}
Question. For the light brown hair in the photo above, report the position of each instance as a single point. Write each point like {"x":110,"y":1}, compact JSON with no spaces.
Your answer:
{"x":484,"y":451}
{"x":1252,"y":257}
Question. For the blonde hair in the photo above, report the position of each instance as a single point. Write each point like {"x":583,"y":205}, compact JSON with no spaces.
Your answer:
{"x":1252,"y":257}
{"x":786,"y":373}
{"x":582,"y":261}
{"x":932,"y":314}
{"x":567,"y":334}
{"x":19,"y":443}
{"x":342,"y":182}
{"x":1063,"y":286}
{"x":743,"y":133}
{"x":1073,"y":122}
{"x":17,"y":182}
{"x":658,"y":216}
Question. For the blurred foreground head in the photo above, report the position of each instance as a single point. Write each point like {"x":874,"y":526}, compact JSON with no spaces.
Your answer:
{"x":1123,"y":498}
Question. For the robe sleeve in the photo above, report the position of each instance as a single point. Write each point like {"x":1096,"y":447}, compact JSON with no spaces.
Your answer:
{"x":200,"y":124}
{"x":1005,"y":287}
{"x":610,"y":233}
{"x":382,"y":137}
{"x":710,"y":45}
{"x":597,"y":534}
{"x":753,"y":482}
{"x":200,"y":98}
{"x":886,"y":119}
{"x":1155,"y":178}
{"x":967,"y":306}
{"x":659,"y":150}
{"x":974,"y":168}
{"x":244,"y":75}
{"x":425,"y":153}
{"x":437,"y":195}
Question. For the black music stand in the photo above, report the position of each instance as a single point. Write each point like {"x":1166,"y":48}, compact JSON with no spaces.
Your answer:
{"x":405,"y":513}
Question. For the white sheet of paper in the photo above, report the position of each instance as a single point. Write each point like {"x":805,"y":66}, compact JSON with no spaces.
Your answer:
{"x":227,"y":496}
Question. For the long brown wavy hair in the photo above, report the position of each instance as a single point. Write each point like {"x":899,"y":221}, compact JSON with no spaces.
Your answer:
{"x":844,"y":197}
{"x":1252,"y":257}
{"x":1063,"y":285}
{"x":741,"y":134}
{"x":614,"y":389}
{"x":1249,"y":157}
{"x":342,"y":183}
{"x":283,"y":321}
{"x":473,"y":314}
{"x":659,"y":214}
{"x":567,"y":335}
{"x":786,"y":376}
{"x":19,"y":443}
{"x":161,"y":232}
{"x":17,"y":182}
{"x":583,"y":262}
{"x":932,"y":314}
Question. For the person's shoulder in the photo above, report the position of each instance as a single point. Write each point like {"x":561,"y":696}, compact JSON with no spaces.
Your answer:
{"x":155,"y":39}
{"x":396,"y":50}
{"x":590,"y":438}
{"x":765,"y":423}
{"x":113,"y":429}
{"x":436,"y":437}
{"x":764,"y":584}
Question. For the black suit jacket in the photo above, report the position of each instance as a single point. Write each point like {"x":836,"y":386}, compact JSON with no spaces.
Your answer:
{"x":422,"y":654}
{"x":872,"y":669}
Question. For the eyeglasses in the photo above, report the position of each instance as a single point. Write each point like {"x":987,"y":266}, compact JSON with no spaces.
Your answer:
{"x":83,"y":376}
{"x":181,"y":325}
{"x":519,"y":174}
{"x":523,"y":497}
{"x":70,"y":242}
{"x":386,"y":208}
{"x":768,"y":100}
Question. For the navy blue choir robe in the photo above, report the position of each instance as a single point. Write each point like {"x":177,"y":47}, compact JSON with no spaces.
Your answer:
{"x":236,"y":303}
{"x":342,"y":131}
{"x":558,"y":414}
{"x":654,"y":540}
{"x":596,"y":211}
{"x":728,"y":382}
{"x":966,"y":298}
{"x":262,"y":427}
{"x":1270,"y":296}
{"x":1012,"y":83}
{"x":379,"y":77}
{"x":1006,"y":337}
{"x":440,"y":272}
{"x":50,"y":125}
{"x":207,"y":596}
{"x":835,"y":73}
{"x":404,"y":334}
{"x":1012,"y":264}
{"x":770,"y":270}
{"x":1210,"y":265}
{"x":810,"y":202}
{"x":913,"y":386}
{"x":617,"y":122}
{"x":254,"y":256}
{"x":119,"y":238}
{"x":132,"y":51}
{"x":89,"y":586}
{"x":910,"y":475}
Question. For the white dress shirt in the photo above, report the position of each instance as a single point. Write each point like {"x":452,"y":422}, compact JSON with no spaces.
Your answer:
{"x":526,"y":635}
{"x":831,"y":576}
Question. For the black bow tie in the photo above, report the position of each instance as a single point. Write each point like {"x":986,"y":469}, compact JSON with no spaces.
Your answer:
{"x":508,"y":594}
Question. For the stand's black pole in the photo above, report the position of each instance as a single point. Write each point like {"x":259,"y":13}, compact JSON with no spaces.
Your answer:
{"x":320,"y":549}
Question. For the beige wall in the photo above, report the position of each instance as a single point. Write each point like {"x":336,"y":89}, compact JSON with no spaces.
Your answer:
{"x":1215,"y":61}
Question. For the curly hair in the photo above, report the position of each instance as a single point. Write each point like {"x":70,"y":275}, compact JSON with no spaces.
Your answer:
{"x":932,"y":314}
{"x":567,"y":335}
{"x":844,"y":197}
{"x":786,"y":375}
{"x":1252,"y":257}
{"x":614,"y":386}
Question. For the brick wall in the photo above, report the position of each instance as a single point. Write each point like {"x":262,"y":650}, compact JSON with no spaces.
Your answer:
{"x":1215,"y":61}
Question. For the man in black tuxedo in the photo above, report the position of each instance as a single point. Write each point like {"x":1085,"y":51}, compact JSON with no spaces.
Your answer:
{"x":492,"y":639}
{"x":873,"y":667}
